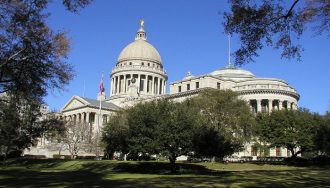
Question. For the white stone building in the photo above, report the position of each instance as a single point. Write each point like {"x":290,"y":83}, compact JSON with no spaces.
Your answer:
{"x":139,"y":75}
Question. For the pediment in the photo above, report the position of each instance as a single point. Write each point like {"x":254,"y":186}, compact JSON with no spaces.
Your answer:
{"x":75,"y":102}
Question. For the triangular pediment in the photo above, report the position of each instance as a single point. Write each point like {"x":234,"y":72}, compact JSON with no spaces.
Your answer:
{"x":74,"y":102}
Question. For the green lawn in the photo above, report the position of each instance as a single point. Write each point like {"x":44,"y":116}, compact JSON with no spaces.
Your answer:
{"x":88,"y":173}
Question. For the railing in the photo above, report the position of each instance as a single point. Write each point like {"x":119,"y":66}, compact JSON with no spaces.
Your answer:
{"x":264,"y":86}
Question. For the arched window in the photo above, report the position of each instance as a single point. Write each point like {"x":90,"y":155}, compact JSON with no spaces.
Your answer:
{"x":130,"y":63}
{"x":142,"y":64}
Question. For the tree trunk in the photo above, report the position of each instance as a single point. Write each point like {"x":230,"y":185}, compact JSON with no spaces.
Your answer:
{"x":6,"y":153}
{"x":172,"y":161}
{"x":213,"y":159}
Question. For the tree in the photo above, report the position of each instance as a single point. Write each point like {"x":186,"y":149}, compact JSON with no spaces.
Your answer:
{"x":77,"y":137}
{"x":32,"y":55}
{"x":156,"y":127}
{"x":322,"y":139}
{"x":224,"y":123}
{"x":19,"y":127}
{"x":175,"y":129}
{"x":115,"y":134}
{"x":31,"y":62}
{"x":294,"y":130}
{"x":274,"y":23}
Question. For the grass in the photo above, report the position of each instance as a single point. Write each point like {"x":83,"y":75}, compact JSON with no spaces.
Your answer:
{"x":88,"y":173}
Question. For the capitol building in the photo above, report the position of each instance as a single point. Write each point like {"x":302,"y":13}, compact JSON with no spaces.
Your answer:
{"x":139,"y":75}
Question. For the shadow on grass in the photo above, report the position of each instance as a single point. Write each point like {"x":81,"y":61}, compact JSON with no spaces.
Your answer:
{"x":152,"y":168}
{"x":42,"y":163}
{"x":31,"y":178}
{"x":152,"y":174}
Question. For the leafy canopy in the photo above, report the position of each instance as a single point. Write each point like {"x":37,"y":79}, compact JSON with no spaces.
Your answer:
{"x":294,"y":130}
{"x":276,"y":24}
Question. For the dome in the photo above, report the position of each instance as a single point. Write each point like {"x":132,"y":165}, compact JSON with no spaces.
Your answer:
{"x":140,"y":50}
{"x":232,"y":72}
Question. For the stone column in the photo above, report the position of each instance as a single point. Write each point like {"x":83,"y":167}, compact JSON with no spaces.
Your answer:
{"x":125,"y":81}
{"x":159,"y":88}
{"x":139,"y":82}
{"x":270,"y":105}
{"x":259,"y":105}
{"x":280,"y":105}
{"x":111,"y":86}
{"x":87,"y":118}
{"x":145,"y":83}
{"x":116,"y":83}
{"x":120,"y":84}
{"x":164,"y":87}
{"x":294,"y":106}
{"x":291,"y":106}
{"x":152,"y":85}
{"x":131,"y":75}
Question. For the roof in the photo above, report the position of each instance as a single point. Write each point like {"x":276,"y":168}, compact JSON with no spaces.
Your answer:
{"x":104,"y":104}
{"x":232,"y":73}
{"x":140,"y":49}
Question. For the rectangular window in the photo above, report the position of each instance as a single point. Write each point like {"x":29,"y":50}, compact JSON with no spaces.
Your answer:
{"x":278,"y":151}
{"x":179,"y":88}
{"x":254,"y":151}
{"x":188,"y":87}
{"x":218,"y":85}
{"x":197,"y":85}
{"x":104,"y":119}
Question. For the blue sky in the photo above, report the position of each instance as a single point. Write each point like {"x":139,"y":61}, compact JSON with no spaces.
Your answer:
{"x":189,"y":37}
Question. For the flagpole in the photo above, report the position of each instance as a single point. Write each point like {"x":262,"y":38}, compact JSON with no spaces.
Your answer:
{"x":98,"y":129}
{"x":98,"y":119}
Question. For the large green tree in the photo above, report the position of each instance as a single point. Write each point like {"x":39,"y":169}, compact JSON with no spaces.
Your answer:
{"x":276,"y":24}
{"x":294,"y":130}
{"x":115,"y":134}
{"x":224,"y":124}
{"x":21,"y":125}
{"x":18,"y":126}
{"x":156,"y":127}
{"x":176,"y":128}
{"x":322,"y":139}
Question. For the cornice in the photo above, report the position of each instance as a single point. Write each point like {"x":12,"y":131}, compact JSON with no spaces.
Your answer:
{"x":272,"y":91}
{"x":88,"y":106}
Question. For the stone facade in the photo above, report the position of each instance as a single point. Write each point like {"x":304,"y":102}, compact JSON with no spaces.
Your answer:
{"x":140,"y":76}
